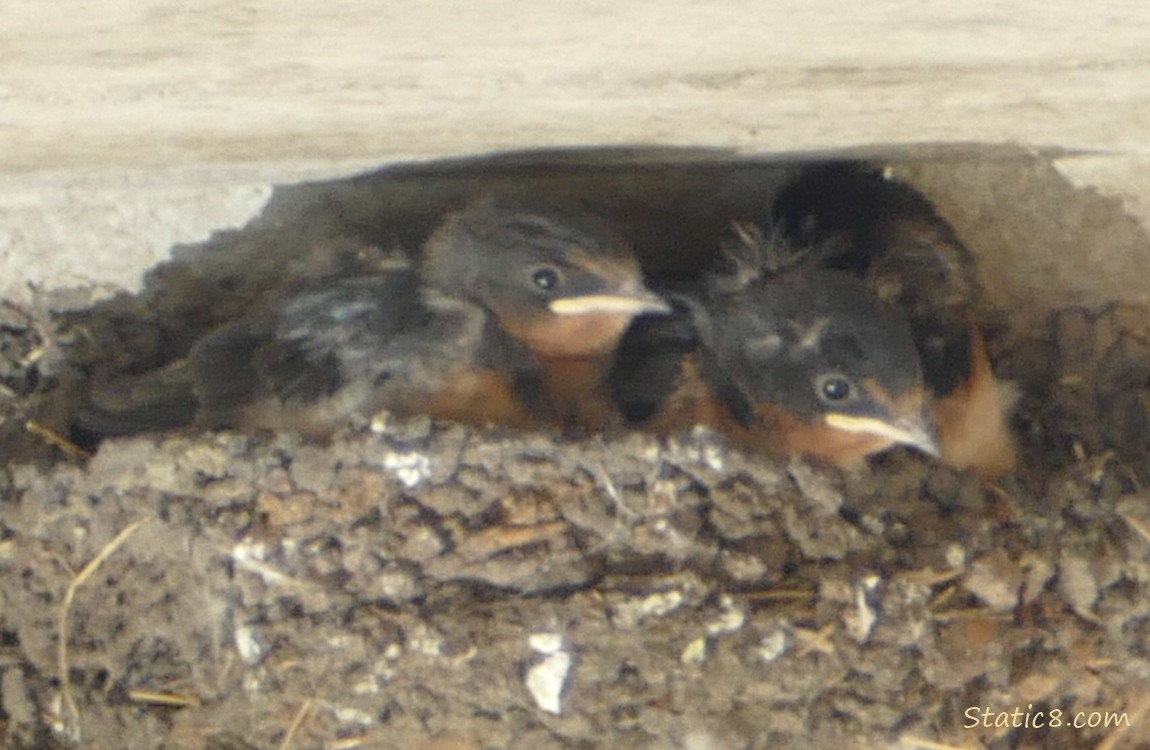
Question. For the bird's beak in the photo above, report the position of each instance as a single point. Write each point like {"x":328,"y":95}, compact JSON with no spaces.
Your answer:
{"x":627,"y":303}
{"x":915,"y":432}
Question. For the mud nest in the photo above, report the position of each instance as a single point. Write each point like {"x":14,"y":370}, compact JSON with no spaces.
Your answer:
{"x":420,"y":584}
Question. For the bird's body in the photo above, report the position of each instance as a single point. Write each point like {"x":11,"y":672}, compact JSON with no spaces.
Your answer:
{"x":354,"y":347}
{"x":511,"y":317}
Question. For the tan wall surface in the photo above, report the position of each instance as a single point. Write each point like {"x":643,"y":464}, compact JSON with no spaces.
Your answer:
{"x":127,"y":125}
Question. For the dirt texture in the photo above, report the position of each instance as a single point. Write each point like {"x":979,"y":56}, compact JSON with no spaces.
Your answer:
{"x":419,"y":584}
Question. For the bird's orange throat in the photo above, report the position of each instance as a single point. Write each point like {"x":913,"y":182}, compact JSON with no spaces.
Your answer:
{"x":972,"y":421}
{"x":785,"y":433}
{"x":569,"y":336}
{"x":578,"y":393}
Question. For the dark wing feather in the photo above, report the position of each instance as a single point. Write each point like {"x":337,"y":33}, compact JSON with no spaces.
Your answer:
{"x":368,"y":330}
{"x":648,"y":363}
{"x":852,"y":217}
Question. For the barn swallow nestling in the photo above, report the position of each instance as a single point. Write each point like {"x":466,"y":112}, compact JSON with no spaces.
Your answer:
{"x":851,"y":216}
{"x":512,"y":314}
{"x":558,"y":281}
{"x":353,"y":347}
{"x":805,"y":362}
{"x":828,"y":371}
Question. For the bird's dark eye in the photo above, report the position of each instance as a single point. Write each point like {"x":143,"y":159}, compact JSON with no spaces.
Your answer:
{"x":834,"y":389}
{"x":545,"y":278}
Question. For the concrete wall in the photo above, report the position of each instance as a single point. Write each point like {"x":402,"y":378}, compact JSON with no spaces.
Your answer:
{"x":128,"y":125}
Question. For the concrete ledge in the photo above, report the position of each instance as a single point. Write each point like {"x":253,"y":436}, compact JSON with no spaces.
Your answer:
{"x":160,"y":83}
{"x":126,"y":127}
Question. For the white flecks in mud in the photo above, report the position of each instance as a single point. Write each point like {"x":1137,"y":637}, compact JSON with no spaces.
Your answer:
{"x":1078,"y":581}
{"x":250,"y":555}
{"x":700,"y":447}
{"x":410,"y":468}
{"x":546,"y":643}
{"x":772,"y":645}
{"x":367,"y":685}
{"x":378,"y":424}
{"x":862,"y":620}
{"x":249,"y":550}
{"x":713,"y":457}
{"x":396,"y":585}
{"x":731,"y":619}
{"x":423,"y":641}
{"x":695,"y":652}
{"x":743,"y":566}
{"x":711,"y":453}
{"x":701,"y":739}
{"x":955,"y":555}
{"x":547,"y":677}
{"x":248,"y":644}
{"x":630,"y":613}
{"x":353,"y":716}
